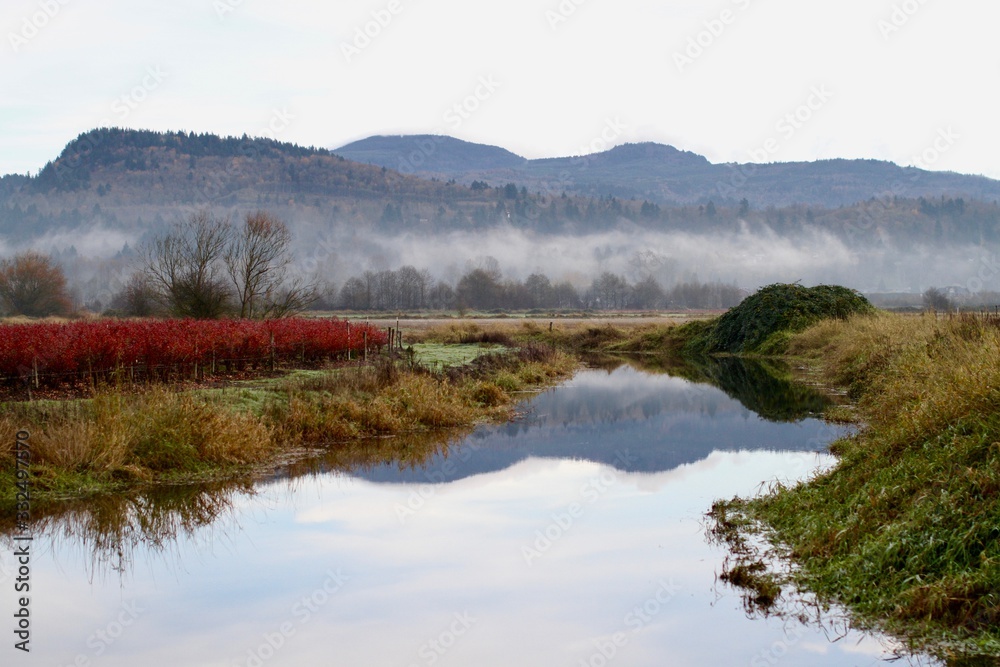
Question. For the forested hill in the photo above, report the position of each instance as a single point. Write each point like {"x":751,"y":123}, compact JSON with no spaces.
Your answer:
{"x":430,"y":154}
{"x":138,"y":181}
{"x":128,"y":178}
{"x":667,"y":176}
{"x":185,"y":168}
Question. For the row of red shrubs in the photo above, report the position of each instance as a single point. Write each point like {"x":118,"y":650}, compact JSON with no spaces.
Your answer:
{"x":56,"y":353}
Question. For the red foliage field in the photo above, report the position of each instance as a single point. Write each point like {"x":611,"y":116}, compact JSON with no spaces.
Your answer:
{"x":52,"y":354}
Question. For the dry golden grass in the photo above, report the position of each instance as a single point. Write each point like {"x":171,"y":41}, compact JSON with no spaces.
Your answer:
{"x":117,"y":439}
{"x":570,"y":333}
{"x":366,"y":402}
{"x":156,"y":429}
{"x":919,"y":372}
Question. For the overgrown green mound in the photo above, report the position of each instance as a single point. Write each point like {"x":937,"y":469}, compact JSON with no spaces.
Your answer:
{"x":764,"y":321}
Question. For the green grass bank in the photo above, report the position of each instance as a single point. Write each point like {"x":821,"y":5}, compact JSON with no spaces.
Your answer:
{"x":905,"y":530}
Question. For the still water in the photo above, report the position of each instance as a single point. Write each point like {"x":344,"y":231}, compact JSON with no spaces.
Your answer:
{"x":573,"y":536}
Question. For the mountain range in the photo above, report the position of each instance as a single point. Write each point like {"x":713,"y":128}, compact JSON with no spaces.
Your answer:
{"x":136,"y":182}
{"x":443,"y":205}
{"x":666,"y":175}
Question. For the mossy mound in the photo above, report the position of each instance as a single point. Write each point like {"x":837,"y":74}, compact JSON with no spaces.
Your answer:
{"x":764,"y":321}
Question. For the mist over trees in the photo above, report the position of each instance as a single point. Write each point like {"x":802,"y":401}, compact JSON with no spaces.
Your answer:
{"x":113,"y":190}
{"x":207,"y":268}
{"x":484,"y":288}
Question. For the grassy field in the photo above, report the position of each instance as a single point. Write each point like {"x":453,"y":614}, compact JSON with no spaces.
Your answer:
{"x":128,"y":436}
{"x":905,"y":531}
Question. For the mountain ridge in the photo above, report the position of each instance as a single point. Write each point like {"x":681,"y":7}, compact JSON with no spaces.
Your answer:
{"x":669,"y":176}
{"x":137,"y":182}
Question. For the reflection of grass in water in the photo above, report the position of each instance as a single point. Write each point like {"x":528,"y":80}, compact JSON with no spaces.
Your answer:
{"x":759,"y":572}
{"x":743,"y":567}
{"x":404,"y":452}
{"x":763,"y":386}
{"x":114,"y":528}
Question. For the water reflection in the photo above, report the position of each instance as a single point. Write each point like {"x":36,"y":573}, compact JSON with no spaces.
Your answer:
{"x":640,"y":422}
{"x":760,"y":385}
{"x":109,"y":530}
{"x":573,"y":536}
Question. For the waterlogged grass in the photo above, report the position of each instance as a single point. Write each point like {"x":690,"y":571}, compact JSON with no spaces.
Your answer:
{"x":440,"y":356}
{"x":905,"y":531}
{"x":122,"y":439}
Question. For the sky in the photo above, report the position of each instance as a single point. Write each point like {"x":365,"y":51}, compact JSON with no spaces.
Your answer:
{"x":911,"y":81}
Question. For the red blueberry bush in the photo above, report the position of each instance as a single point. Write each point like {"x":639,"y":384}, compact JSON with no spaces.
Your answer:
{"x":159,"y":349}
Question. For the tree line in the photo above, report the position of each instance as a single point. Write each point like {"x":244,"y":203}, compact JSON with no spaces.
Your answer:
{"x":484,"y":288}
{"x":208,"y":267}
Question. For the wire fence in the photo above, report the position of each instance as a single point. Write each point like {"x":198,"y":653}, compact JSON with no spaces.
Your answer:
{"x":51,"y":361}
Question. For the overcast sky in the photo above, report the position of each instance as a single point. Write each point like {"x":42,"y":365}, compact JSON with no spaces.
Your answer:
{"x":904,"y":81}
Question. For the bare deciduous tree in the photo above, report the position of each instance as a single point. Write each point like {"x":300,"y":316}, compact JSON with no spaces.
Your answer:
{"x":610,"y":291}
{"x":257,"y":260}
{"x":937,"y":300}
{"x":31,"y":284}
{"x":183,"y":266}
{"x":138,"y":298}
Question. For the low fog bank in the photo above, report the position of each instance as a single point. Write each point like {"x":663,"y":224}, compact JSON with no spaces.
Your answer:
{"x":746,"y":259}
{"x":98,"y":261}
